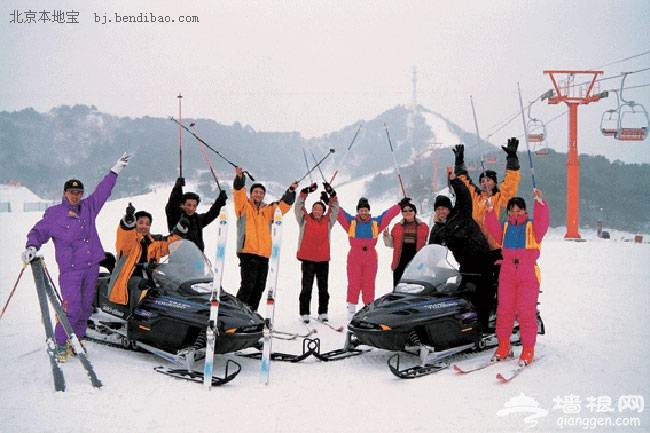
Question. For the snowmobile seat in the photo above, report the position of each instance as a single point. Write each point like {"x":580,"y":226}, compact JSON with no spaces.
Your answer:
{"x":108,"y":262}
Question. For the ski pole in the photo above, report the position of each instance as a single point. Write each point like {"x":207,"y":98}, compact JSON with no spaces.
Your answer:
{"x":304,"y":154}
{"x":399,"y":176}
{"x":478,"y":142}
{"x":207,"y":159}
{"x":210,"y":147}
{"x":11,"y":294}
{"x":523,"y":119}
{"x":180,"y":138}
{"x":321,"y":171}
{"x":331,"y":151}
{"x":346,"y":151}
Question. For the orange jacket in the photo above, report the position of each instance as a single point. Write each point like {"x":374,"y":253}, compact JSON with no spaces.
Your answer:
{"x":128,"y":244}
{"x":254,"y":224}
{"x":507,"y":189}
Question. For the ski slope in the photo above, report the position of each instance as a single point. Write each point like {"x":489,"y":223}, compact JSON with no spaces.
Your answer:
{"x":594,"y":301}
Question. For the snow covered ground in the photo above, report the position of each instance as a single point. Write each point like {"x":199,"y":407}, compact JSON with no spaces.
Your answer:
{"x":593,"y":358}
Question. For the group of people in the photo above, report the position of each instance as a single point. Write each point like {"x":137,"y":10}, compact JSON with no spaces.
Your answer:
{"x":488,"y":251}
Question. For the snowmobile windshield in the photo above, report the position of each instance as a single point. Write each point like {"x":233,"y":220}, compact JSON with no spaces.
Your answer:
{"x":185,"y":262}
{"x":434,"y":265}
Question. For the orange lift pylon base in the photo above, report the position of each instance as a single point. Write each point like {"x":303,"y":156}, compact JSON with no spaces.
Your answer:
{"x":573,"y":163}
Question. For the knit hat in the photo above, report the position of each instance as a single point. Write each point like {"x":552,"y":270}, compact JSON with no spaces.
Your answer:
{"x":73,"y":185}
{"x":190,"y":196}
{"x":442,"y":200}
{"x":141,"y":213}
{"x":363,"y":202}
{"x":490,"y":174}
{"x":258,"y":185}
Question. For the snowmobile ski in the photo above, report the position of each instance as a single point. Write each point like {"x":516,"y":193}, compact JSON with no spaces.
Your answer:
{"x":198,"y":377}
{"x":309,"y":347}
{"x":271,"y":285}
{"x":348,"y":350}
{"x":46,"y":290}
{"x":212,"y":330}
{"x":415,"y":371}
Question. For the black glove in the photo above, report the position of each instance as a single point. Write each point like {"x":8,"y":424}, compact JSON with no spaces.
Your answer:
{"x":129,"y":216}
{"x":512,"y":161}
{"x":329,"y":189}
{"x":324,"y":197}
{"x":182,"y":226}
{"x":459,"y":154}
{"x":221,"y":200}
{"x":180,"y":182}
{"x":511,"y":148}
{"x":151,"y":264}
{"x":313,"y":187}
{"x":304,"y":191}
{"x":405,"y":201}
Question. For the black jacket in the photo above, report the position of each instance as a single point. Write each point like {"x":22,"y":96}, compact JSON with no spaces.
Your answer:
{"x":460,"y":233}
{"x":197,"y":221}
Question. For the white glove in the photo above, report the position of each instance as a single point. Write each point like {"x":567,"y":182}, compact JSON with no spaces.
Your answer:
{"x":29,"y":254}
{"x":121,"y":163}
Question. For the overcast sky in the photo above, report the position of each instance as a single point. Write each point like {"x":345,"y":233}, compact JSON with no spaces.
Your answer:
{"x":316,"y":66}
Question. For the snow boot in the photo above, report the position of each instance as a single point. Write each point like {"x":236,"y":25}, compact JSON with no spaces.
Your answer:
{"x":352,"y":308}
{"x":323,"y":317}
{"x":63,"y":352}
{"x":527,"y":355}
{"x":503,"y":351}
{"x":305,"y":318}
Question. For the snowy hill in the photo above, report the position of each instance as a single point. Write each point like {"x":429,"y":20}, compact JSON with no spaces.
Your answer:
{"x":594,"y":301}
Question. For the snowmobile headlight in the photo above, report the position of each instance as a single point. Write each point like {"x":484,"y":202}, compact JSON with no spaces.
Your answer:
{"x":409,"y":288}
{"x":384,"y":327}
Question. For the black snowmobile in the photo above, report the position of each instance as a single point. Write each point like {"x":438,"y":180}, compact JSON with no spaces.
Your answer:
{"x":171,"y":318}
{"x":428,"y":314}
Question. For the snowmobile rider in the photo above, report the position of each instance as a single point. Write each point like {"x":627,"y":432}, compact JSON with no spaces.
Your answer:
{"x":455,"y":228}
{"x":519,"y":280}
{"x":254,"y":218}
{"x":78,"y":250}
{"x":407,"y":237}
{"x":139,"y":252}
{"x":314,"y":247}
{"x":185,"y":204}
{"x":488,"y":189}
{"x":363,"y":230}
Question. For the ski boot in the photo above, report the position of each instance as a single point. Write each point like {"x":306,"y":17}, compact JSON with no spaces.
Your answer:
{"x":352,"y":308}
{"x":323,"y":317}
{"x":527,"y":355}
{"x":305,"y":318}
{"x":63,"y":352}
{"x":503,"y":351}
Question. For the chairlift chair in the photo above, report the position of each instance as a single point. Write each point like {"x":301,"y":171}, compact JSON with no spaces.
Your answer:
{"x":536,"y":131}
{"x":633,"y":123}
{"x":609,"y":123}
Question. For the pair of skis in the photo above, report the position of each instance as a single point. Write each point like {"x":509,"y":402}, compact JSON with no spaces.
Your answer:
{"x":46,"y":294}
{"x":505,"y":376}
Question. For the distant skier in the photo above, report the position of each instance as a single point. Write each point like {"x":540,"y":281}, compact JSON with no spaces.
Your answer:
{"x":142,"y":251}
{"x":455,"y":228}
{"x":185,"y":204}
{"x":254,"y":218}
{"x":363,"y":230}
{"x":520,"y":238}
{"x":407,"y":237}
{"x":78,"y":250}
{"x":314,"y":248}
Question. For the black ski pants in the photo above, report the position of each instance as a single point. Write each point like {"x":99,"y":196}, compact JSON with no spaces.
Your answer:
{"x":408,"y":252}
{"x":254,"y":270}
{"x":321,"y":271}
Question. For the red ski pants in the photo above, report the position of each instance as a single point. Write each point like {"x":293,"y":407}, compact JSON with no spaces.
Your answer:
{"x":518,"y":292}
{"x":362,"y":270}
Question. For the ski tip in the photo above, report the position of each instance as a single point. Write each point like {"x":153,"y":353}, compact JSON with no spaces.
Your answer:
{"x":501,"y":379}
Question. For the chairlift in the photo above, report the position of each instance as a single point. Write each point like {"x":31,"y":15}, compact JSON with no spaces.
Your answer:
{"x":471,"y":167}
{"x":609,"y":119}
{"x":536,"y":129}
{"x":633,"y":121}
{"x":541,"y":151}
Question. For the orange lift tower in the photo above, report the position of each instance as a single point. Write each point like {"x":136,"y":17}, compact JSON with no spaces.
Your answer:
{"x":572,"y":99}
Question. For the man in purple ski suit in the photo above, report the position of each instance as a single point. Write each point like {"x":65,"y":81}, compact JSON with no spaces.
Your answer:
{"x":78,"y":250}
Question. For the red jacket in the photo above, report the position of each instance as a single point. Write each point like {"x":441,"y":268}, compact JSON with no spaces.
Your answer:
{"x":397,"y":235}
{"x":314,"y":236}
